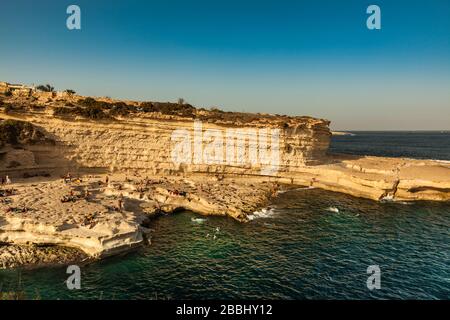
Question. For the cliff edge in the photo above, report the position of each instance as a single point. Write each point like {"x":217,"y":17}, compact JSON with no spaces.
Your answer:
{"x":165,"y":157}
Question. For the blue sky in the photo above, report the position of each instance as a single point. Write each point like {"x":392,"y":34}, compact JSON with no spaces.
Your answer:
{"x":293,"y":57}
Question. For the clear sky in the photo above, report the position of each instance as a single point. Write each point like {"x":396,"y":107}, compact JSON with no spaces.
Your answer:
{"x":313,"y":57}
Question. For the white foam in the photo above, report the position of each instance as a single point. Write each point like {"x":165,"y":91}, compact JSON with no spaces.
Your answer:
{"x":304,"y":188}
{"x":391,"y":199}
{"x":443,"y":161}
{"x":404,"y":202}
{"x":263,"y":213}
{"x":296,"y":189}
{"x":333,"y":209}
{"x":198,"y":220}
{"x":388,"y":198}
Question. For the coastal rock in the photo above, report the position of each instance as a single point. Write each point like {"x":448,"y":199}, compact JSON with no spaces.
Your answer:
{"x":93,"y":222}
{"x":383,"y":178}
{"x":35,"y":214}
{"x":14,"y":256}
{"x":225,"y":164}
{"x":146,"y":142}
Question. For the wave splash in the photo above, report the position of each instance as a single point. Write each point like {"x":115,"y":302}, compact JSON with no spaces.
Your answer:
{"x":198,"y":220}
{"x":332,"y":209}
{"x":263,"y":213}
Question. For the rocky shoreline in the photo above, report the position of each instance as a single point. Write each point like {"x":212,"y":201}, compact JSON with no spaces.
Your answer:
{"x":94,"y":216}
{"x":33,"y":256}
{"x":123,"y":170}
{"x":47,"y":221}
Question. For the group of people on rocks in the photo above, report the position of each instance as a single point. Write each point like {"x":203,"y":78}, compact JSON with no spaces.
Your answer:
{"x":69,"y":178}
{"x":143,"y":184}
{"x":89,"y":220}
{"x":120,"y":198}
{"x":17,"y":210}
{"x":69,"y":198}
{"x":141,"y":187}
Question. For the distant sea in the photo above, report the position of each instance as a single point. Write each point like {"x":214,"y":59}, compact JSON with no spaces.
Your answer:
{"x":408,"y":144}
{"x":310,"y":244}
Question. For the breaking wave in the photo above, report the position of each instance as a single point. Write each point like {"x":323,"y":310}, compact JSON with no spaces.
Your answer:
{"x":198,"y":220}
{"x":263,"y":213}
{"x":333,"y":209}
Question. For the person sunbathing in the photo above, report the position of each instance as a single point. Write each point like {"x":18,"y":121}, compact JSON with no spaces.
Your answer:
{"x":17,"y":210}
{"x":69,"y":198}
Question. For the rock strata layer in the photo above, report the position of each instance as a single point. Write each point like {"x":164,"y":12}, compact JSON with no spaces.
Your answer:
{"x":213,"y":166}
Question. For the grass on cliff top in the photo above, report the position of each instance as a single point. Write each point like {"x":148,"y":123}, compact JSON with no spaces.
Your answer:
{"x":91,"y":108}
{"x":94,"y":113}
{"x":96,"y":110}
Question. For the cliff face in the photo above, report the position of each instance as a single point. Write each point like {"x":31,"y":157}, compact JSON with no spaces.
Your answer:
{"x":177,"y":145}
{"x":171,"y":139}
{"x":210,"y":162}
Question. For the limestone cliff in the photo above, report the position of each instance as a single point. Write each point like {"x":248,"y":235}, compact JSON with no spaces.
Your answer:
{"x":143,"y":142}
{"x":207,"y":161}
{"x":104,"y":135}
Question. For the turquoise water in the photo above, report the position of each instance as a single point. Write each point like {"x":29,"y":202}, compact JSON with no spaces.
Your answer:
{"x":301,"y":249}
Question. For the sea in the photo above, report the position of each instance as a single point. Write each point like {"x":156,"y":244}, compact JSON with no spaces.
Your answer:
{"x":309,"y":244}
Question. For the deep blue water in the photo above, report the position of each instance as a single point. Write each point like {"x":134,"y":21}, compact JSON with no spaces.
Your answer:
{"x":409,"y":144}
{"x":299,"y":250}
